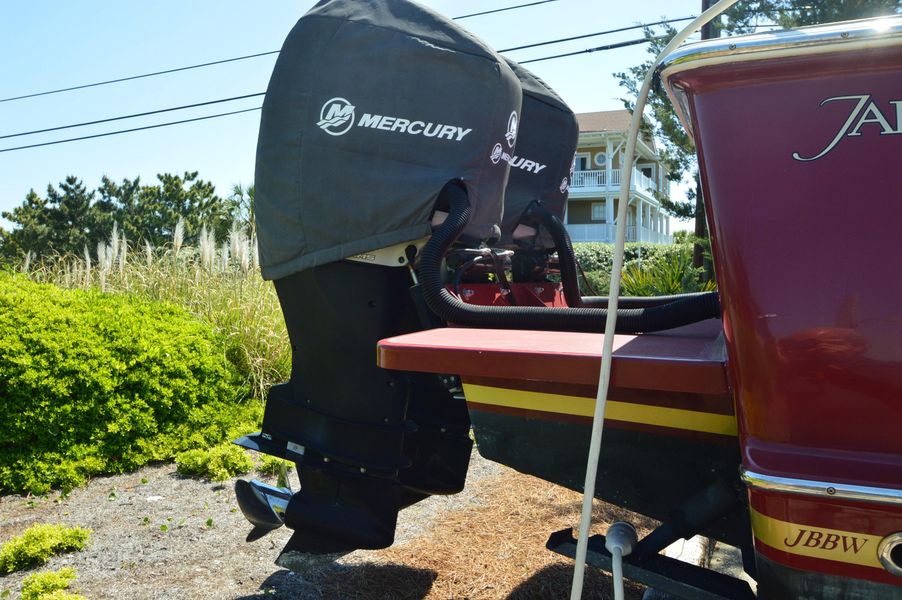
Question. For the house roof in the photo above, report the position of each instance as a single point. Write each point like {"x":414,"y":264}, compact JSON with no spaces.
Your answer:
{"x":606,"y":120}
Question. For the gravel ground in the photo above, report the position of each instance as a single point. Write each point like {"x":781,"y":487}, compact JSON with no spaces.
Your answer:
{"x":160,"y":535}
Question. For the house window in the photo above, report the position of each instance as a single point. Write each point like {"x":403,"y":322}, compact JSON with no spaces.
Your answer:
{"x":597,"y":211}
{"x":582,"y":162}
{"x":600,"y":160}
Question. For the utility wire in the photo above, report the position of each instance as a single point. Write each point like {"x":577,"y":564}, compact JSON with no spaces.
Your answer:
{"x":588,"y":35}
{"x":497,"y":10}
{"x":588,"y":50}
{"x":215,"y":62}
{"x":121,"y":79}
{"x":132,"y":116}
{"x":88,"y":137}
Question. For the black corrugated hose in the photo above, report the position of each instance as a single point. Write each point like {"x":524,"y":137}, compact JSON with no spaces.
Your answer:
{"x":453,"y":310}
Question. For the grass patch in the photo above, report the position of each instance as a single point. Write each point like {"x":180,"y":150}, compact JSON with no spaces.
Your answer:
{"x":38,"y":543}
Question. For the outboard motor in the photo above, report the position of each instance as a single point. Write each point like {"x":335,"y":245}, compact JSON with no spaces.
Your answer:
{"x":373,"y":109}
{"x":541,"y":170}
{"x":539,"y":183}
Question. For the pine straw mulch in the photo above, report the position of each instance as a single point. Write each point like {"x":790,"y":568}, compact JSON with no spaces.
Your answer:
{"x":493,"y":550}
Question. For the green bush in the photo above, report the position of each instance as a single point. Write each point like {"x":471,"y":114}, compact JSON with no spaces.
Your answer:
{"x":38,"y":543}
{"x":671,"y":273}
{"x":95,"y":383}
{"x":648,"y":269}
{"x":216,"y":464}
{"x":596,"y":256}
{"x":50,"y":585}
{"x":272,"y":465}
{"x":596,"y":283}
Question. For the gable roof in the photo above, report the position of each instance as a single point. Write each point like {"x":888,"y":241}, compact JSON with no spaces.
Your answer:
{"x":606,"y":120}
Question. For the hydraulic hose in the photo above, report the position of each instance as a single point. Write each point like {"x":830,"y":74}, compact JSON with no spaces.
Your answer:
{"x":570,"y":282}
{"x":566,"y":256}
{"x":451,"y":309}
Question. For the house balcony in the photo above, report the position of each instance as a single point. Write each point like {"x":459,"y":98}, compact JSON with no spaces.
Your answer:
{"x":601,"y":180}
{"x":602,"y":232}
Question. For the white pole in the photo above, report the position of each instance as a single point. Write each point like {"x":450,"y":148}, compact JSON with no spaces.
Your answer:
{"x":604,"y":374}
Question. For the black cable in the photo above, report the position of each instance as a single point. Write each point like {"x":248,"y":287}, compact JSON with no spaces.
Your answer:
{"x":143,"y":114}
{"x":588,"y":50}
{"x":121,"y":79}
{"x":88,"y":137}
{"x":588,"y":35}
{"x":497,"y":10}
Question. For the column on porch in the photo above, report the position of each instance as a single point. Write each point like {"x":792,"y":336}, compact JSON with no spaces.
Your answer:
{"x":653,"y":221}
{"x":640,"y":214}
{"x":609,"y":167}
{"x":609,"y":213}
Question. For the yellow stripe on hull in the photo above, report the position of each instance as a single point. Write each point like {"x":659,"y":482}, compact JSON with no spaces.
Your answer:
{"x":817,"y":542}
{"x":644,"y":414}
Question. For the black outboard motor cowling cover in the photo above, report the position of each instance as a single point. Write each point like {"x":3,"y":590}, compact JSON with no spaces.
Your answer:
{"x":373,"y":108}
{"x":373,"y":105}
{"x":541,"y":169}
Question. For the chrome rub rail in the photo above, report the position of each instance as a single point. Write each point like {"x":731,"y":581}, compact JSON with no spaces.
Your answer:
{"x":823,"y":489}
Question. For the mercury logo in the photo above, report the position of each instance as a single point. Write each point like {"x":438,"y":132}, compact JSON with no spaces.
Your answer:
{"x":565,"y":185}
{"x":516,"y":162}
{"x":511,"y":135}
{"x":336,"y":117}
{"x":497,"y":151}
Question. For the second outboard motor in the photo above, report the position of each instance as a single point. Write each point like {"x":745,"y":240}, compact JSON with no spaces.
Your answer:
{"x":541,"y":171}
{"x":372,"y":109}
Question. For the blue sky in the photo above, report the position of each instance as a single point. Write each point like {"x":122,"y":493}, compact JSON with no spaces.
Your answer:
{"x":49,"y":44}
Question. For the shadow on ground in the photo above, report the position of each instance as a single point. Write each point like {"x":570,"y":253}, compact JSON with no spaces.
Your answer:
{"x":352,"y":582}
{"x":554,"y":582}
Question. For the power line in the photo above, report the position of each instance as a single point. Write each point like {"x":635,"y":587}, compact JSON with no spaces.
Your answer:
{"x":588,"y":35}
{"x":586,"y":51}
{"x":215,"y":62}
{"x":88,"y":137}
{"x":497,"y":10}
{"x":121,"y":79}
{"x":132,"y":116}
{"x":589,"y":50}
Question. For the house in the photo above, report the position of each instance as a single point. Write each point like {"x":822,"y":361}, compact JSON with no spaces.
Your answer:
{"x":595,"y":185}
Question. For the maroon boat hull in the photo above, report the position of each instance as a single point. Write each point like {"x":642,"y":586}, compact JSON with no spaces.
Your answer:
{"x":799,"y":153}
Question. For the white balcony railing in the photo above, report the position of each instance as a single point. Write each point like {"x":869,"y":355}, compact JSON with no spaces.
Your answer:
{"x":595,"y":232}
{"x":592,"y":179}
{"x":590,"y":232}
{"x":589,"y":179}
{"x":645,"y":234}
